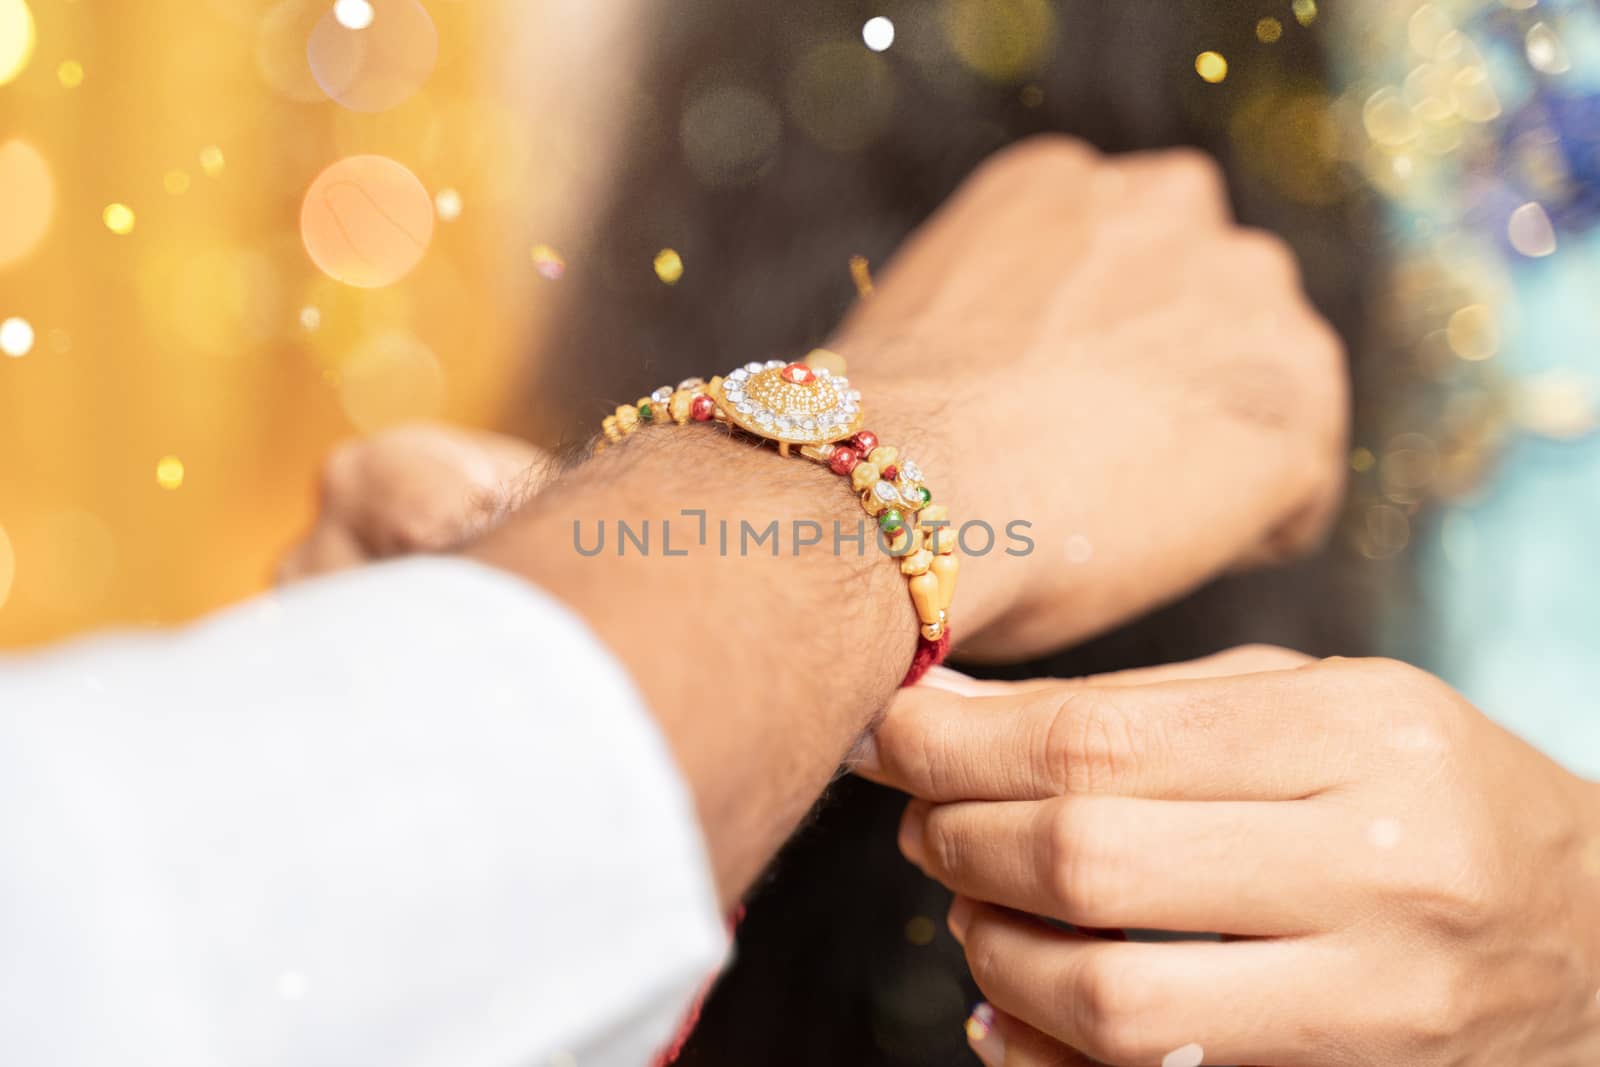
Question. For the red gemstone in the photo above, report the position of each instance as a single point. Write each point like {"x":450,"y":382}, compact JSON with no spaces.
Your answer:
{"x":843,"y":460}
{"x":701,"y":408}
{"x":889,"y":474}
{"x":798,"y":373}
{"x":865,"y":442}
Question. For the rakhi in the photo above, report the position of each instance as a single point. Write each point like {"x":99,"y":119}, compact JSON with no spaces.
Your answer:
{"x":809,"y":408}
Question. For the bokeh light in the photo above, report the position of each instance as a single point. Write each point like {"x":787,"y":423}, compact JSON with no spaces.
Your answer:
{"x":1003,"y":40}
{"x":1269,"y":30}
{"x":366,"y":221}
{"x":176,"y":182}
{"x":69,"y":73}
{"x":841,"y":96}
{"x":1305,"y":11}
{"x":27,"y":200}
{"x":16,"y":337}
{"x":669,"y":266}
{"x":212,"y":161}
{"x":389,"y":379}
{"x":8,"y":566}
{"x":280,"y":49}
{"x":1211,"y":66}
{"x":730,"y":135}
{"x":1474,"y":333}
{"x":119,"y":219}
{"x":878,"y":33}
{"x":548,"y":262}
{"x":16,"y":38}
{"x":169,"y":472}
{"x":374,"y":67}
{"x":448,"y":204}
{"x":353,"y":14}
{"x":1530,"y":232}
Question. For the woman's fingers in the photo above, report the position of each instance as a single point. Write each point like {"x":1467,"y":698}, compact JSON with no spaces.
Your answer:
{"x":1246,"y":659}
{"x":1264,"y":736}
{"x":1132,"y":1004}
{"x":1248,"y":868}
{"x":1002,"y":1041}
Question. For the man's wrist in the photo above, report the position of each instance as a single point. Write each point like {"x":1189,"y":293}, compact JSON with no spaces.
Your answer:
{"x":763,"y":666}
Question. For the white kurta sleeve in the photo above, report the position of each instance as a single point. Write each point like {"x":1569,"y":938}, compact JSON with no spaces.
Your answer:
{"x":412,"y":816}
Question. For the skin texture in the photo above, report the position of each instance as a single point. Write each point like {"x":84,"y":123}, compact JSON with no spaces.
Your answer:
{"x":1401,"y":880}
{"x":1067,"y":320}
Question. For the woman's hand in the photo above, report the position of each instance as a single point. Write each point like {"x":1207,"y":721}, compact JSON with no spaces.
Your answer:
{"x":1407,"y":882}
{"x":1089,"y":343}
{"x":416,"y":488}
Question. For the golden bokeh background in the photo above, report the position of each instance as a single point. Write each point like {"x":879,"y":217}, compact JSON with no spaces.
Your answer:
{"x":176,"y":365}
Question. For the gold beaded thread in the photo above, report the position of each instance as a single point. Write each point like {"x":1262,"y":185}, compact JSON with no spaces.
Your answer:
{"x":809,"y":405}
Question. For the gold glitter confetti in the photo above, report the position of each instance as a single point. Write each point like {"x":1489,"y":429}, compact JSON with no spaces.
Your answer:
{"x":69,"y":73}
{"x":861,"y":274}
{"x":169,"y":472}
{"x":669,"y":266}
{"x":920,"y":930}
{"x":119,"y":219}
{"x":211,"y":161}
{"x":176,"y":182}
{"x":1268,"y":30}
{"x":1305,"y":11}
{"x":1211,"y":66}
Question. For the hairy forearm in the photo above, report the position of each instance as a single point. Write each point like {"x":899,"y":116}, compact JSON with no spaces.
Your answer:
{"x":761,"y":669}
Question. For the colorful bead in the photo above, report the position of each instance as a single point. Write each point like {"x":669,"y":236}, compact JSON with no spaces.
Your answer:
{"x":925,"y":494}
{"x":798,"y":374}
{"x":884,"y":456}
{"x":863,"y":477}
{"x":647,"y":412}
{"x":892,"y":521}
{"x":609,"y":426}
{"x":678,"y":406}
{"x":891,"y":473}
{"x":702,"y":408}
{"x":864,"y":442}
{"x":945,"y":568}
{"x":916,"y":563}
{"x":843,"y":460}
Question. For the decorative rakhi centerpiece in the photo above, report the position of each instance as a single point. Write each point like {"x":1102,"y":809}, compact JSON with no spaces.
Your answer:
{"x":790,"y":403}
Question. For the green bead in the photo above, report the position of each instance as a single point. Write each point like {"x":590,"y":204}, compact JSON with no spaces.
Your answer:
{"x":646,"y":412}
{"x":891,"y":521}
{"x":926,"y":496}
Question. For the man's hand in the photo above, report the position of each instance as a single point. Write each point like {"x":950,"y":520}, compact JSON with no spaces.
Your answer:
{"x":417,"y":488}
{"x":1408,"y":882}
{"x":1090,"y":343}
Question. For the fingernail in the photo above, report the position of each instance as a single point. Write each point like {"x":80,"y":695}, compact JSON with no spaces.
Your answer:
{"x":960,"y":916}
{"x":952,"y":682}
{"x":984,"y":1036}
{"x":911,"y":825}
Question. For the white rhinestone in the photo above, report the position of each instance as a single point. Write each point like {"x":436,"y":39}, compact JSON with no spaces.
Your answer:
{"x":808,"y":423}
{"x":754,"y":368}
{"x":824,"y":372}
{"x":776,"y":364}
{"x":734,"y":393}
{"x":764,"y":417}
{"x":662,"y":395}
{"x":911,"y":496}
{"x":691,"y":383}
{"x":910,"y":470}
{"x":854,"y":394}
{"x":739,"y":375}
{"x":785,"y":423}
{"x":886,"y":493}
{"x":745,"y":408}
